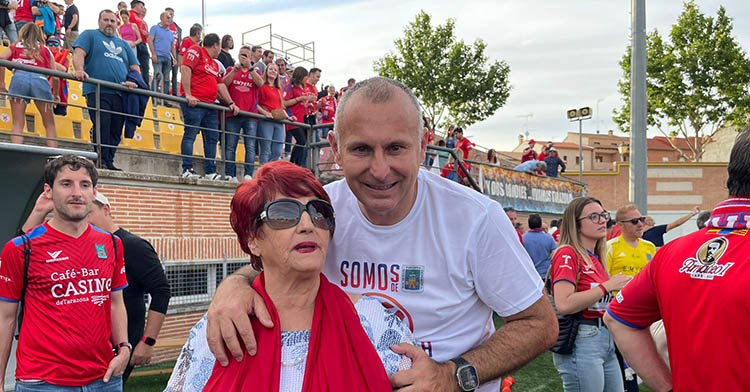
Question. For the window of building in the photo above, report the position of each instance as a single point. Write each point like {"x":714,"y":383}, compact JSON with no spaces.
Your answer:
{"x":578,"y":160}
{"x":682,"y":159}
{"x":599,"y":159}
{"x":665,"y":159}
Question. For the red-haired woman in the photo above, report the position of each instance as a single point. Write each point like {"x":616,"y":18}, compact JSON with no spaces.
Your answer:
{"x":322,"y":337}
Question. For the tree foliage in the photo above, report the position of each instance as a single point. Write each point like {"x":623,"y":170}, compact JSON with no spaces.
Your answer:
{"x":698,"y":81}
{"x":450,"y":77}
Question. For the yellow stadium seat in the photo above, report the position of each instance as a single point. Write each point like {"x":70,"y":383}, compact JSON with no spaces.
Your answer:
{"x":6,"y":120}
{"x":147,"y":125}
{"x":170,"y":142}
{"x":64,"y":127}
{"x":142,"y":140}
{"x":168,"y":114}
{"x":86,"y":130}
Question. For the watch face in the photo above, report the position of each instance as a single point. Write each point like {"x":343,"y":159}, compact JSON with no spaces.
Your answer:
{"x":467,"y":378}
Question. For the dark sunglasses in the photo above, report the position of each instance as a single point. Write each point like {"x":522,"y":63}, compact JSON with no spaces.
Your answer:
{"x":286,"y":213}
{"x":597,"y":217}
{"x":635,"y":221}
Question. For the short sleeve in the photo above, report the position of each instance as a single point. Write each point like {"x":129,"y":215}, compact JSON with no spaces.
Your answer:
{"x":636,"y":304}
{"x":11,"y":272}
{"x":83,"y":41}
{"x":504,"y":276}
{"x":564,"y":265}
{"x":119,"y":280}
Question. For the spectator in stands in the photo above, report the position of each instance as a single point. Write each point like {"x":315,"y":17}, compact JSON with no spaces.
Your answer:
{"x":492,"y":157}
{"x":137,"y":13}
{"x":283,"y":75}
{"x":54,"y":43}
{"x":553,"y":162}
{"x":539,"y":245}
{"x":702,"y":219}
{"x":513,"y":216}
{"x":655,"y":234}
{"x":528,"y":153}
{"x":429,"y":135}
{"x":265,"y":58}
{"x":59,"y":19}
{"x":545,"y":151}
{"x":100,"y":54}
{"x":554,"y":229}
{"x":177,"y":31}
{"x":257,"y":54}
{"x":443,"y":156}
{"x":43,"y":14}
{"x":533,"y":166}
{"x":193,"y":39}
{"x":163,"y":56}
{"x":129,"y":31}
{"x":449,"y":169}
{"x":201,"y":82}
{"x":24,"y":85}
{"x":298,"y":99}
{"x":328,"y":106}
{"x":463,"y":143}
{"x":450,"y":137}
{"x":349,"y":83}
{"x":23,"y":14}
{"x":225,"y":58}
{"x":121,"y":6}
{"x":7,"y":26}
{"x":580,"y":284}
{"x":242,"y":83}
{"x":70,"y":24}
{"x":270,"y":104}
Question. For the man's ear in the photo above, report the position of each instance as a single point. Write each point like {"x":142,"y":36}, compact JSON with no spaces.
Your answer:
{"x":47,"y":191}
{"x":335,"y":147}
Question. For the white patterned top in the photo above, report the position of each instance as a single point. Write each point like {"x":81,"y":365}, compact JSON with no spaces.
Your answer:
{"x":383,"y":327}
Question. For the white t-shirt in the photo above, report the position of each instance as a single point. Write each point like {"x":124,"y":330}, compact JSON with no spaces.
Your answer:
{"x":453,"y":260}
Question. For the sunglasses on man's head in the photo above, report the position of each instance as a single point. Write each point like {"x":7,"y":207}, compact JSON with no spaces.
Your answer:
{"x":53,"y":157}
{"x":286,"y":213}
{"x":635,"y":221}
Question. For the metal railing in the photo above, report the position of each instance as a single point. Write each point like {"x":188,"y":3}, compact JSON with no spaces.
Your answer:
{"x":195,"y":283}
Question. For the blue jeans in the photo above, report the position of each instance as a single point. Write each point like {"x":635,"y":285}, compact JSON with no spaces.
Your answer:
{"x":270,"y":151}
{"x":237,"y":126}
{"x":161,"y":74}
{"x":208,"y":121}
{"x":114,"y":385}
{"x":288,"y":142}
{"x":299,"y":152}
{"x":592,"y":367}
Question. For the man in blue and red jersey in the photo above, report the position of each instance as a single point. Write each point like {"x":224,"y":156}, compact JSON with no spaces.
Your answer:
{"x":697,"y":285}
{"x":74,"y":313}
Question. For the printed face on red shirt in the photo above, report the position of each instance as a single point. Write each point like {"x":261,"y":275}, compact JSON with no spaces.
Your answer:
{"x":71,"y":193}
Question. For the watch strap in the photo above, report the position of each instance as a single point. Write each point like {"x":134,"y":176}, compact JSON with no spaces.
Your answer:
{"x":124,"y":344}
{"x":461,"y":364}
{"x":149,"y":341}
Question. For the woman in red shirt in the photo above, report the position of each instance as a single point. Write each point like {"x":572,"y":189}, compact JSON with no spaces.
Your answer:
{"x":31,"y":50}
{"x":271,"y":106}
{"x":581,"y":284}
{"x":298,"y":100}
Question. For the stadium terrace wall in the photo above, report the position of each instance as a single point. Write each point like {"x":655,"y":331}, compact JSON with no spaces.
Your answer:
{"x":671,"y":186}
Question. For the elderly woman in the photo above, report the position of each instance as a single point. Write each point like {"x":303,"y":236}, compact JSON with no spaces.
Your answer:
{"x":322,"y":338}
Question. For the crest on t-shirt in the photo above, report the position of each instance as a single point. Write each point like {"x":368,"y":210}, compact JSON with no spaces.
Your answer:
{"x":413,"y":278}
{"x":706,"y":265}
{"x":101,"y":252}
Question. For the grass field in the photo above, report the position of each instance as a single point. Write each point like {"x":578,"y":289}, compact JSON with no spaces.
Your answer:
{"x":538,"y":375}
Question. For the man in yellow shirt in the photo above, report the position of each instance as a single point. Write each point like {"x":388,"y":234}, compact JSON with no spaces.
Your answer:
{"x":629,"y":253}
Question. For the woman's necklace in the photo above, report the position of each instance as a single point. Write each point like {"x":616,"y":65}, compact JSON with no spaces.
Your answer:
{"x":295,"y":361}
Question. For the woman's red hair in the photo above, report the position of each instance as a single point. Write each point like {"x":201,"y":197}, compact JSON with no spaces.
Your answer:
{"x":272,"y":179}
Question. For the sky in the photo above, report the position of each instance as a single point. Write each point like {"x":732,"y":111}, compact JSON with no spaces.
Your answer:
{"x":562,"y":54}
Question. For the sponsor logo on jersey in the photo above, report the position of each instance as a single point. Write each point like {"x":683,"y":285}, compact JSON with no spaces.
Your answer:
{"x":705,"y":264}
{"x":113,"y":51}
{"x":101,"y":252}
{"x":55,"y":256}
{"x":99,"y":299}
{"x":565,"y":264}
{"x":413,"y":278}
{"x":619,"y":297}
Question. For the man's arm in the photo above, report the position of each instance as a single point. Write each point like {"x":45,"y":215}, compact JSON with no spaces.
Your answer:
{"x":150,"y":42}
{"x":73,"y":22}
{"x":522,"y":338}
{"x":680,"y":221}
{"x":639,"y":350}
{"x":42,"y":208}
{"x":79,"y":55}
{"x":119,"y":334}
{"x":8,"y":312}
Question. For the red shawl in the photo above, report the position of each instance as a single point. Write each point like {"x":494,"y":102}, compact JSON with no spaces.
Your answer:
{"x":340,"y":356}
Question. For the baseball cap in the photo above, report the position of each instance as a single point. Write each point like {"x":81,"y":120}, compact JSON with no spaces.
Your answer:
{"x":531,"y":141}
{"x":101,"y":199}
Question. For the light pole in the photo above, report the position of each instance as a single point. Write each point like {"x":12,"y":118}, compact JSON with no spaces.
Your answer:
{"x":580,"y":115}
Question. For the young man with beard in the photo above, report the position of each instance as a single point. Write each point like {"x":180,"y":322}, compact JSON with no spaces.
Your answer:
{"x":71,"y":291}
{"x":102,"y":55}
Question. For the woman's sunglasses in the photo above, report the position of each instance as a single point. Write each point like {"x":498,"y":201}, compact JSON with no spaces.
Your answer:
{"x":286,"y":213}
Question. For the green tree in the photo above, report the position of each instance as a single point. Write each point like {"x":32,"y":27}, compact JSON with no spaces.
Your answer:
{"x":449,"y":77}
{"x":698,"y":81}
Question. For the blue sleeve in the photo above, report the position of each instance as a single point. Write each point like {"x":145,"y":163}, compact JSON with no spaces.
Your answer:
{"x":83,"y":41}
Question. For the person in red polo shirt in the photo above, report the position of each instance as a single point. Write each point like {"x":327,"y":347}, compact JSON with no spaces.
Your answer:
{"x":193,"y":39}
{"x":137,"y":13}
{"x":697,"y":285}
{"x":201,"y":82}
{"x":528,"y":152}
{"x":328,"y":106}
{"x":463,"y":143}
{"x":299,"y":99}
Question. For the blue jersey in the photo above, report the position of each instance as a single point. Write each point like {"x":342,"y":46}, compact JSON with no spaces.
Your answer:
{"x":107,"y":58}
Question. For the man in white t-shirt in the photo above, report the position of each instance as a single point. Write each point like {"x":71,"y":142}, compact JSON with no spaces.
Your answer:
{"x":444,"y":270}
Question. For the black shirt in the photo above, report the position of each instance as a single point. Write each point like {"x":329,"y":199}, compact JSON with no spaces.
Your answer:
{"x":226,"y":59}
{"x":68,"y":19}
{"x":145,"y":275}
{"x":656,"y":235}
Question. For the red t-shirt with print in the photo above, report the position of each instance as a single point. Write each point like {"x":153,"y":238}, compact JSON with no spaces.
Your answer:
{"x":142,"y":26}
{"x":185,"y":45}
{"x":243,"y":91}
{"x":299,"y":109}
{"x":565,"y":266}
{"x":465,"y":145}
{"x":205,"y":74}
{"x":328,"y":108}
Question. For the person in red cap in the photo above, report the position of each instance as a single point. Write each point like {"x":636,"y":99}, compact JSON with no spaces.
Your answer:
{"x":528,"y":152}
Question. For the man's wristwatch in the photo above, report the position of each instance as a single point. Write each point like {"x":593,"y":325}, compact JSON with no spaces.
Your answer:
{"x":124,"y":344}
{"x":149,"y":341}
{"x":466,"y":375}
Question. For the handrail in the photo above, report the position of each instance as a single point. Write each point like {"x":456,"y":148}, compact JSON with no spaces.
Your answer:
{"x":149,"y":93}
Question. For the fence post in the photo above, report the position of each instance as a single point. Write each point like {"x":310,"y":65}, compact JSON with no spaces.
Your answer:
{"x":98,"y":124}
{"x":223,"y":141}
